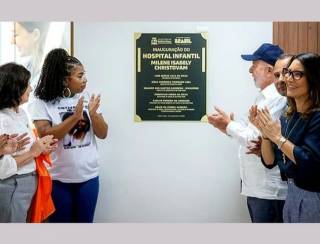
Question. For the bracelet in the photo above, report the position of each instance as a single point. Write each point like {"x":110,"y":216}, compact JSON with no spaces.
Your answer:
{"x":282,"y":140}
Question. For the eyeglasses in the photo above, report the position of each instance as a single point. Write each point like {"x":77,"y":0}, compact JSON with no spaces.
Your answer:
{"x":295,"y":74}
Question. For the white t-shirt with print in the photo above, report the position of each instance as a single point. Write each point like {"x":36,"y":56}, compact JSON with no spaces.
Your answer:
{"x":71,"y":162}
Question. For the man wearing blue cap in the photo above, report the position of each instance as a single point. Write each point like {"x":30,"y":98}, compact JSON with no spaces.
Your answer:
{"x":263,"y":187}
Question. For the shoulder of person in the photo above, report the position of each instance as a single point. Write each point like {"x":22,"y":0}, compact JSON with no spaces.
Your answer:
{"x":315,"y":117}
{"x":8,"y":118}
{"x":276,"y":97}
{"x":36,"y":105}
{"x":277,"y":101}
{"x":312,"y":122}
{"x":5,"y":119}
{"x":22,"y":112}
{"x":37,"y":102}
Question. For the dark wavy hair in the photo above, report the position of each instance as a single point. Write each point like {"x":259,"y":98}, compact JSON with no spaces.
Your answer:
{"x":311,"y":65}
{"x":14,"y":81}
{"x":56,"y":67}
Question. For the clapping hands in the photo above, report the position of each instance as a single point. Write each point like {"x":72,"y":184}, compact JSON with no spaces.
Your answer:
{"x":10,"y":144}
{"x":44,"y":145}
{"x":94,"y":104}
{"x":262,"y":119}
{"x":220,"y":119}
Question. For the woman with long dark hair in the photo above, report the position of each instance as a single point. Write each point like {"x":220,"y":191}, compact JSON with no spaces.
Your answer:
{"x":295,"y":145}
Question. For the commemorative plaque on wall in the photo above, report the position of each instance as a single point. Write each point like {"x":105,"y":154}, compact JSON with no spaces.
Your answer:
{"x":170,"y":76}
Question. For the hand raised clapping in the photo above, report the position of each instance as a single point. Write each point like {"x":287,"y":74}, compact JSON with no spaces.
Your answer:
{"x":45,"y":145}
{"x":3,"y":139}
{"x":220,"y":119}
{"x":12,"y":143}
{"x":22,"y":140}
{"x":94,"y":104}
{"x":78,"y":111}
{"x":263,"y":121}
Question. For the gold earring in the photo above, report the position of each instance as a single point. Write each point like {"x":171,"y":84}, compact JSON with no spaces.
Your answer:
{"x":66,"y":93}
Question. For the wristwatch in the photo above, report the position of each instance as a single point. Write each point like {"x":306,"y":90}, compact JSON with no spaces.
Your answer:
{"x":282,"y":140}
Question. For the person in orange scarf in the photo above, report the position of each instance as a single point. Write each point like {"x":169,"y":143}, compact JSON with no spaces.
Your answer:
{"x":42,"y":205}
{"x":18,"y":179}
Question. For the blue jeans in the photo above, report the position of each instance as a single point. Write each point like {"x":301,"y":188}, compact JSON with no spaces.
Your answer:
{"x":74,"y":202}
{"x":265,"y":210}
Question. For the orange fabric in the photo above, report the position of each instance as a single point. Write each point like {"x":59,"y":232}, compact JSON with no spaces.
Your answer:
{"x":42,"y":205}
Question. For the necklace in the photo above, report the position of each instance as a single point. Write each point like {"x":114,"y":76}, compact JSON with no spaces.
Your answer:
{"x":286,"y":135}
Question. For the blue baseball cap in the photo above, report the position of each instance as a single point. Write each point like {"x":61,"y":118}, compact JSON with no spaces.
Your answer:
{"x":267,"y":52}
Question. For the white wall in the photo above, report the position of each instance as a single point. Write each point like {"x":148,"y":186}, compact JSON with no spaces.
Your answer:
{"x":168,"y":171}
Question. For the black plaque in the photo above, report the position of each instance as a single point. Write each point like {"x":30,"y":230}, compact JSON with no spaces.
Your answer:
{"x":170,"y":74}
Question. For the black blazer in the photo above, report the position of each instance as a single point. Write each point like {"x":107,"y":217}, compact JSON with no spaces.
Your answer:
{"x":306,"y":137}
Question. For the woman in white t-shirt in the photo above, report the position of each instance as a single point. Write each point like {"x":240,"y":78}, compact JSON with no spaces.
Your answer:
{"x":61,"y":107}
{"x":18,"y":180}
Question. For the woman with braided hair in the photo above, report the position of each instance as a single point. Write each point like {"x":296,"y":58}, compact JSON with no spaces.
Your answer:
{"x":59,"y":107}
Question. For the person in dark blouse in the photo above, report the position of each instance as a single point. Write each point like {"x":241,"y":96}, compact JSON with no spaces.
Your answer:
{"x":294,"y":143}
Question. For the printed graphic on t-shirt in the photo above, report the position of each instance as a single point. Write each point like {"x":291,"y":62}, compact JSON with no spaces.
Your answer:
{"x":80,"y":134}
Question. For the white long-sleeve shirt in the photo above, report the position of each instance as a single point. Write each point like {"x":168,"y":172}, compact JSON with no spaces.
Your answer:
{"x":257,"y":180}
{"x":12,"y":122}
